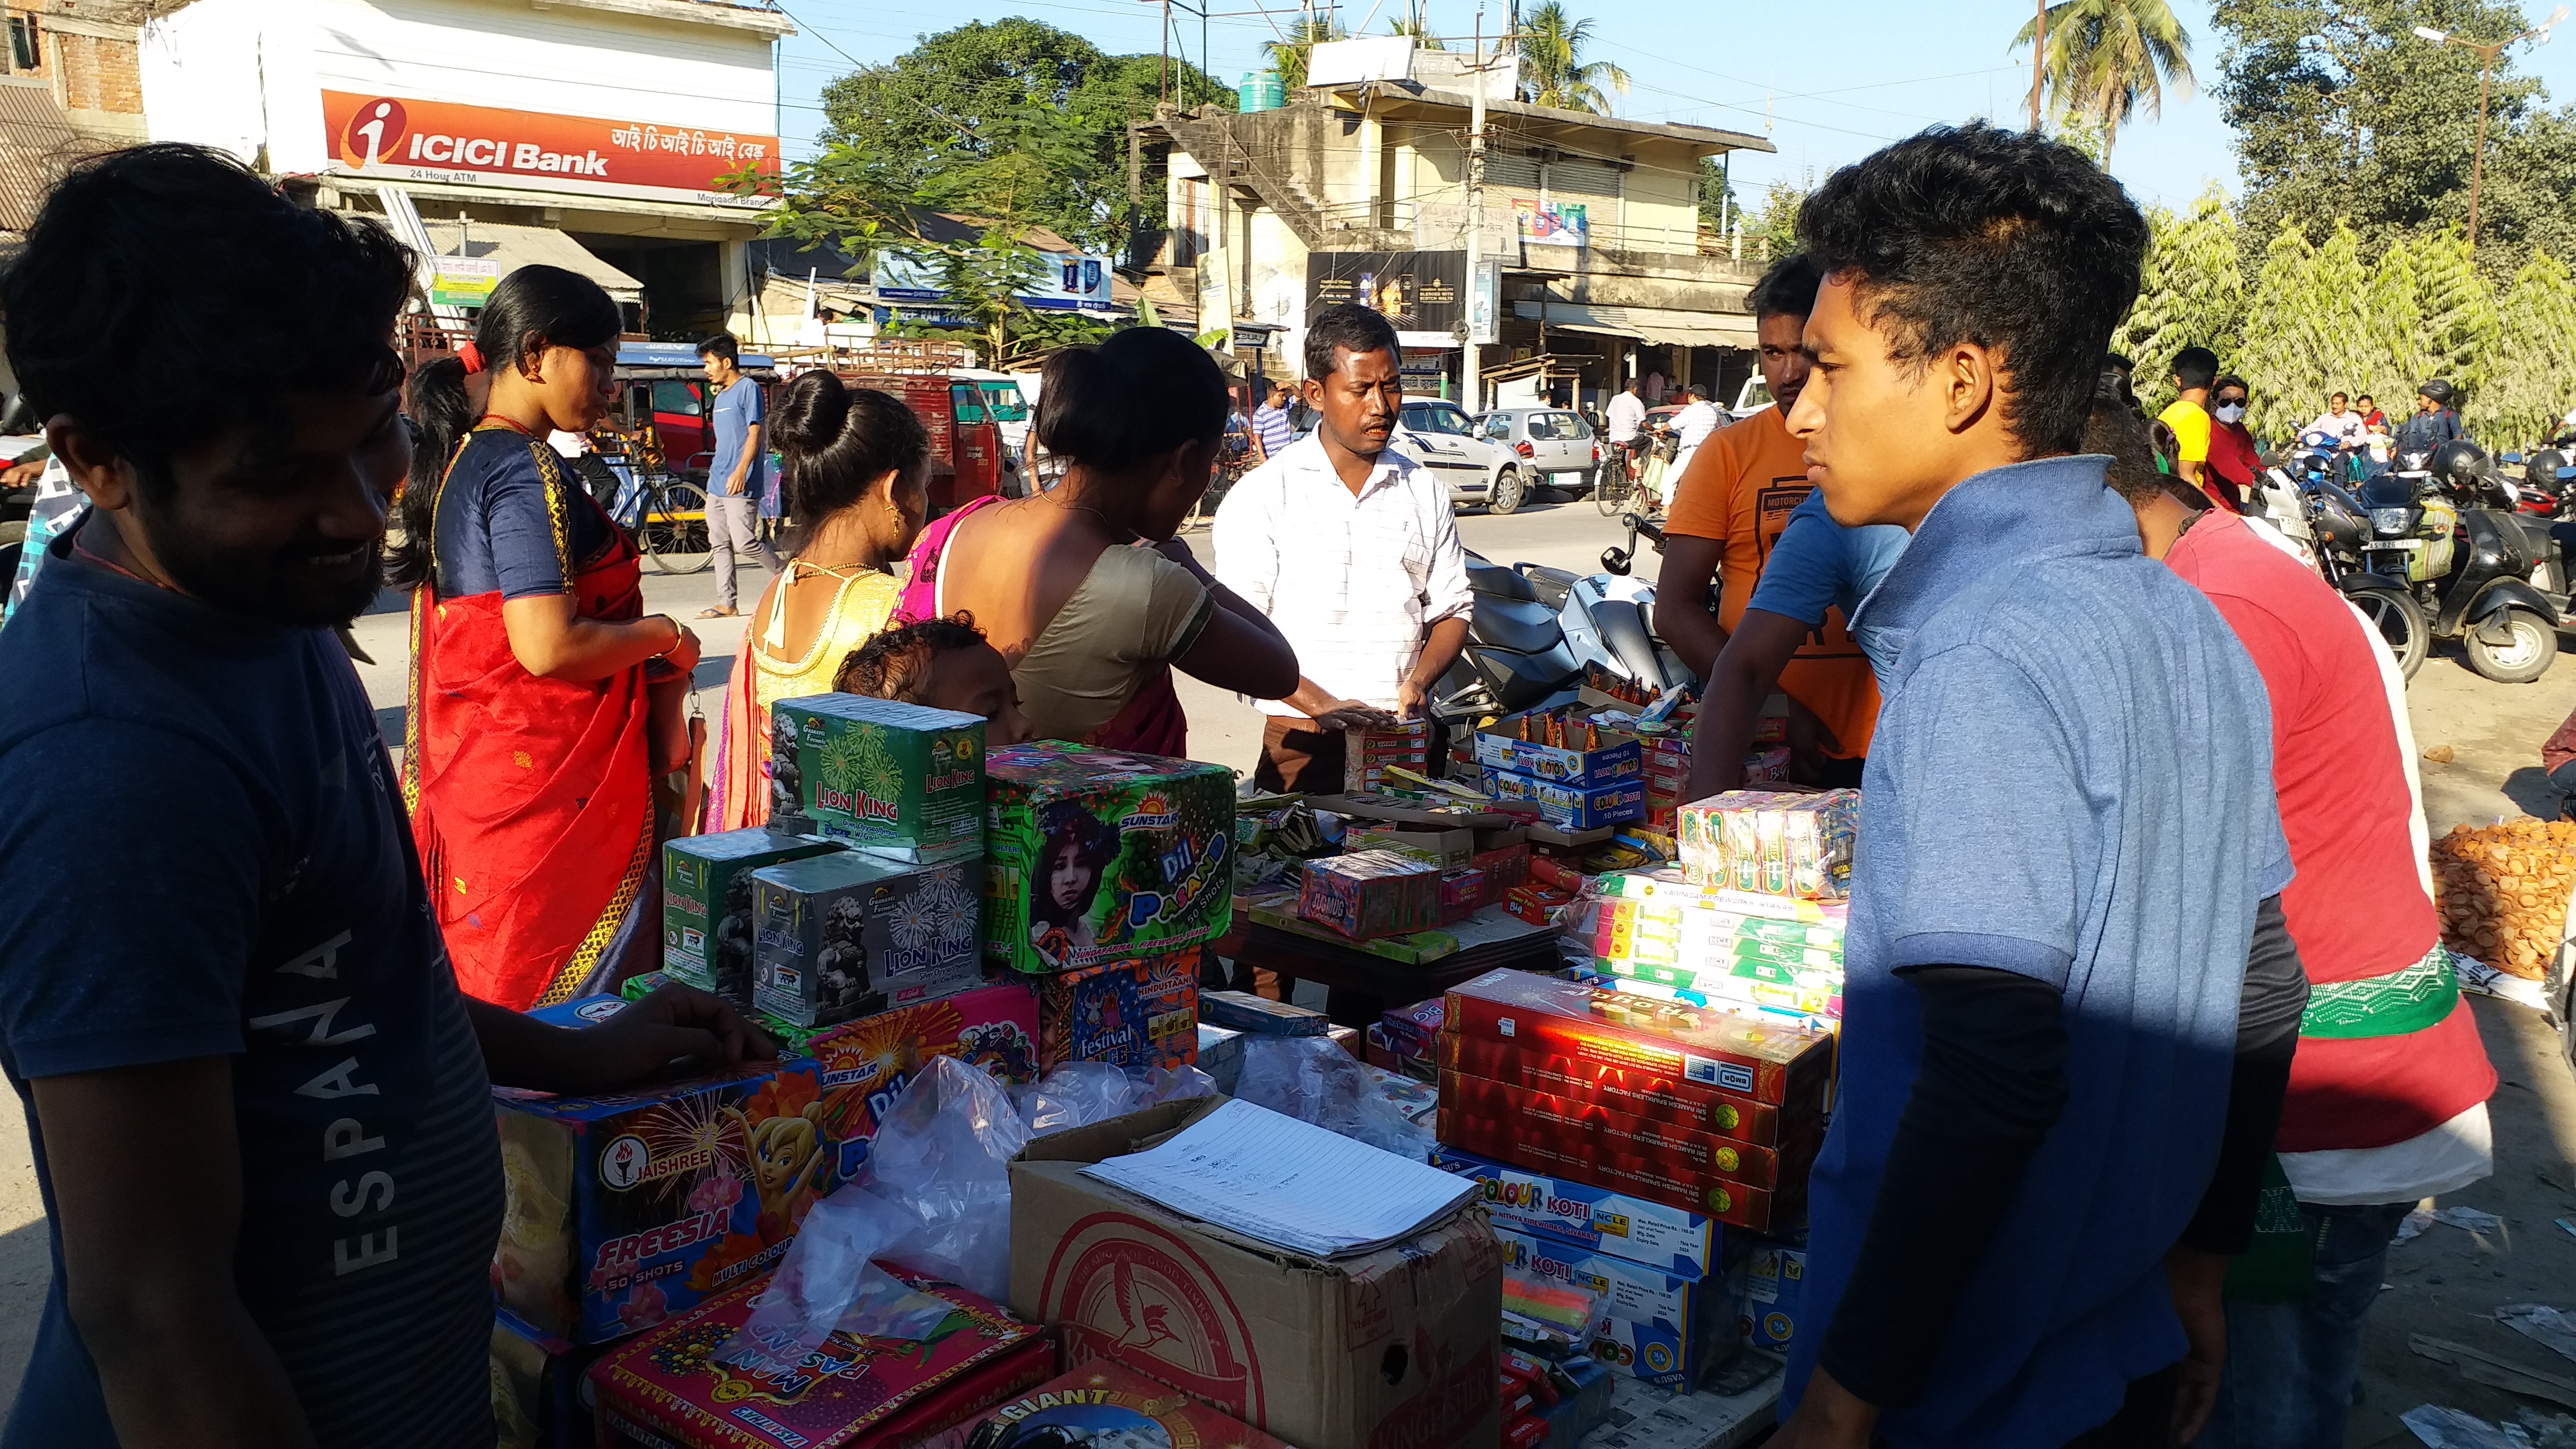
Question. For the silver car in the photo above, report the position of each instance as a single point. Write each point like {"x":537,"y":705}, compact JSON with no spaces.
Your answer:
{"x":1555,"y":445}
{"x":1441,"y":437}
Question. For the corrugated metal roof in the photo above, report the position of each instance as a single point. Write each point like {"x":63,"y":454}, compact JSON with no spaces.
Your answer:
{"x":520,"y":246}
{"x":36,"y":142}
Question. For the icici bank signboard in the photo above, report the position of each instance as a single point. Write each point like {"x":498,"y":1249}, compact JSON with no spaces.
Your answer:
{"x":414,"y":140}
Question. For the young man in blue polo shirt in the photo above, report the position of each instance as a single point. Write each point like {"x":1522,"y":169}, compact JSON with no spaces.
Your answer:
{"x":2067,"y":832}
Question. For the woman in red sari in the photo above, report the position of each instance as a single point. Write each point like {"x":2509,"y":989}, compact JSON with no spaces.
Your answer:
{"x":542,"y":693}
{"x":1085,"y":589}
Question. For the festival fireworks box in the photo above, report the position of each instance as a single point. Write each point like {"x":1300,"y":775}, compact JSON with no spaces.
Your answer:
{"x":848,"y":935}
{"x":867,"y":1063}
{"x":1370,"y":893}
{"x":626,"y":1208}
{"x":1138,"y":1014}
{"x":1502,"y":747}
{"x":1570,"y":1119}
{"x":1775,"y":842}
{"x":1771,"y":1287}
{"x":899,"y":779}
{"x":1590,"y":1159}
{"x":1662,"y":1327}
{"x":1366,"y":753}
{"x":1786,"y":1068}
{"x":707,"y":927}
{"x":669,"y":1388}
{"x":1639,"y":1092}
{"x":1686,"y":1244}
{"x":1101,"y":1404}
{"x":1569,"y":807}
{"x":1099,"y":855}
{"x":1243,"y":1011}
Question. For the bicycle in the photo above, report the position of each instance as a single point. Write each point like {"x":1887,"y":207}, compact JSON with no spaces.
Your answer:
{"x":1615,"y":481}
{"x":665,"y":513}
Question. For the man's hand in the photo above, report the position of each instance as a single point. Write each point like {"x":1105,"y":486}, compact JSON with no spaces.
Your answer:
{"x":735,"y":484}
{"x":1350,"y":714}
{"x":2194,"y":1278}
{"x":676,"y":1031}
{"x":1408,"y":699}
{"x":1829,"y":1417}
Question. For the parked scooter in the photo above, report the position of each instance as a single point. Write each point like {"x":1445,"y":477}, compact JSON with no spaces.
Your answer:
{"x":2440,"y":523}
{"x":1534,"y":631}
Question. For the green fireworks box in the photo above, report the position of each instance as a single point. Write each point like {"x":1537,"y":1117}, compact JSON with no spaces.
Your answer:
{"x":849,"y":935}
{"x":898,"y":779}
{"x":1094,"y":856}
{"x":707,"y":928}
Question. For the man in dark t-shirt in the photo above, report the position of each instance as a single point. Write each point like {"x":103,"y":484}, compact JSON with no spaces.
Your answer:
{"x":259,"y":1105}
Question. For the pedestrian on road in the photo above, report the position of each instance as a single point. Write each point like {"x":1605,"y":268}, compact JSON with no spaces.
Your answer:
{"x":260,"y":1107}
{"x":738,"y":477}
{"x":1272,"y":429}
{"x":544,"y":700}
{"x":2195,"y":372}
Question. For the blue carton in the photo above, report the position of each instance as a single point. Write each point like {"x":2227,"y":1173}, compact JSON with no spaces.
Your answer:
{"x":1567,"y":806}
{"x":1580,"y":1412}
{"x":1662,"y":1329}
{"x":1619,"y":758}
{"x":1771,"y":1283}
{"x":1683,"y":1243}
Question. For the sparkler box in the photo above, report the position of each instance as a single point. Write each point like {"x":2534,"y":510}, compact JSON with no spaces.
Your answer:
{"x":1590,"y":1159}
{"x":1370,"y":893}
{"x":1138,"y":1015}
{"x":1684,"y":1243}
{"x":899,"y":779}
{"x":1570,"y":1120}
{"x":628,"y":1207}
{"x":848,"y":935}
{"x":1636,"y":1091}
{"x":708,"y":930}
{"x":1663,"y":1328}
{"x":1093,"y":856}
{"x":1782,"y":842}
{"x":1784,"y":1067}
{"x":670,"y":1389}
{"x":866,"y":1064}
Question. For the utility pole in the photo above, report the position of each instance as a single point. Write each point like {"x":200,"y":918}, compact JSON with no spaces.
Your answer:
{"x":2038,"y":62}
{"x":1471,"y":378}
{"x":2488,"y":54}
{"x":1163,"y":87}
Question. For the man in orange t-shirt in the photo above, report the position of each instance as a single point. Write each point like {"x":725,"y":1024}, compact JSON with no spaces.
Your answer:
{"x":1731,"y":506}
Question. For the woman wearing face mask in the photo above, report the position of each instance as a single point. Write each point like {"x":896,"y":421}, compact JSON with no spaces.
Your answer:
{"x":1084,"y":589}
{"x":852,"y":489}
{"x":2234,"y":461}
{"x":544,"y":699}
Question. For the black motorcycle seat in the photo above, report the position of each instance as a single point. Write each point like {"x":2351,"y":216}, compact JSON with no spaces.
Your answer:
{"x":1521,"y":626}
{"x":1498,"y":582}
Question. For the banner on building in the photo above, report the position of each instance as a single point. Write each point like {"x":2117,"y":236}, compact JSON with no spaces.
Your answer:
{"x":401,"y":139}
{"x":1556,"y":224}
{"x":1485,"y":303}
{"x":1216,"y":296}
{"x":1418,"y":291}
{"x":462,"y":281}
{"x":1068,"y":282}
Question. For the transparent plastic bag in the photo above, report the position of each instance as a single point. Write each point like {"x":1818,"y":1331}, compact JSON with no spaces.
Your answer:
{"x":1076,"y":1094}
{"x":1313,"y":1080}
{"x":1177,"y":1084}
{"x":942,"y":1155}
{"x":828,"y":1279}
{"x":1553,"y":1318}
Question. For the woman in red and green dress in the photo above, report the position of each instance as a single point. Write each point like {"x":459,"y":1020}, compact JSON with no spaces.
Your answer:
{"x":544,"y":700}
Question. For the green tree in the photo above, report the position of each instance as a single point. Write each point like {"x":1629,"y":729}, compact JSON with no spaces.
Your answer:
{"x":1553,"y":70}
{"x":1718,"y":208}
{"x":985,"y":283}
{"x":1772,"y":230}
{"x":2392,"y":332}
{"x":2460,"y":324}
{"x":1419,"y":29}
{"x":1289,"y":55}
{"x":2107,"y":58}
{"x":2191,"y":293}
{"x":2277,"y":352}
{"x":2528,"y":390}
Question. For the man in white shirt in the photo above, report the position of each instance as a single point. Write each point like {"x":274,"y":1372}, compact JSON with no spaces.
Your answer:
{"x":1698,"y":418}
{"x":2340,"y":423}
{"x":1628,"y":419}
{"x":1351,"y":549}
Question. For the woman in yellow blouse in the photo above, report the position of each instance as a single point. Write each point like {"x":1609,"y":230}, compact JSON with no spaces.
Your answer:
{"x":853,"y":490}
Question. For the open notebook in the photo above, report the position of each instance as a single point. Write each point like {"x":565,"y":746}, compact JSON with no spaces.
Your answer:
{"x":1273,"y":1178}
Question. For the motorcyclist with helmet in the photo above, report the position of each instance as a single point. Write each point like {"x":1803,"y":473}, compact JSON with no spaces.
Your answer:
{"x":2435,"y":422}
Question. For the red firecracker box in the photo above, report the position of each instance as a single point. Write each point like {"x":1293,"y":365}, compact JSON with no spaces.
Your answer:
{"x":1784,"y":1066}
{"x":1461,"y":892}
{"x":1102,"y":1404}
{"x":1366,"y":753}
{"x":1636,"y":1091}
{"x":1601,"y":1164}
{"x":1505,"y":866}
{"x":1570,"y":1120}
{"x":667,"y":1388}
{"x":1370,"y":893}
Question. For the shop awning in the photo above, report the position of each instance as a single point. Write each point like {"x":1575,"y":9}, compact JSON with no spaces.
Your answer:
{"x":525,"y":246}
{"x":1647,"y":324}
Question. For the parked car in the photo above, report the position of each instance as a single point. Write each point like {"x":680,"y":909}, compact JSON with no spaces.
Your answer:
{"x":1557,"y":445}
{"x":1440,"y":436}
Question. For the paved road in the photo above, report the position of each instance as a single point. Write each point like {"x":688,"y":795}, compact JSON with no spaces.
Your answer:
{"x":2493,"y":732}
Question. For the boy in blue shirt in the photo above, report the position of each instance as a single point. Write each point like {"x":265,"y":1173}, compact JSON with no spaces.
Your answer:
{"x":2067,"y":832}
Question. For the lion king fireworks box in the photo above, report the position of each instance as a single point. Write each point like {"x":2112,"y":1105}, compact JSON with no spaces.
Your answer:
{"x":707,"y":925}
{"x":1783,"y":1067}
{"x":867,"y":1063}
{"x":672,"y":1388}
{"x":1370,"y":893}
{"x":1094,"y":856}
{"x":626,"y":1208}
{"x":1685,"y":1244}
{"x":1366,"y":1351}
{"x":847,"y":935}
{"x":1662,"y":1328}
{"x":1138,"y":1015}
{"x":1115,"y":1408}
{"x":899,"y":779}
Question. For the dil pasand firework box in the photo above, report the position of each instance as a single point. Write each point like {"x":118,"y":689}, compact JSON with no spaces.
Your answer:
{"x":1641,"y":1092}
{"x":1369,"y":893}
{"x":1093,"y":856}
{"x":708,"y":930}
{"x":1785,"y":1067}
{"x":848,"y":935}
{"x":866,"y":1064}
{"x":1660,"y":1327}
{"x":1101,"y":1404}
{"x":899,"y":779}
{"x":1569,"y":1121}
{"x":672,"y":1388}
{"x":1666,"y":1239}
{"x":1138,"y":1015}
{"x":626,"y":1208}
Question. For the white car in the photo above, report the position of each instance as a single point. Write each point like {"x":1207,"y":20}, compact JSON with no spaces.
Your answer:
{"x":1440,"y":436}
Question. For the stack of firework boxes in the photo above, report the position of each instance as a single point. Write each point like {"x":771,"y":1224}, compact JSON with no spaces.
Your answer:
{"x":1577,"y":775}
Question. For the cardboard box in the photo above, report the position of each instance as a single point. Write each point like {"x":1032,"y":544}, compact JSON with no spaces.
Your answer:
{"x":866,"y":1064}
{"x":1392,"y":1348}
{"x":1505,"y":866}
{"x":629,"y":1207}
{"x":1619,"y":757}
{"x":1370,"y":893}
{"x":1675,"y":1240}
{"x":667,"y":1389}
{"x":1771,"y":1291}
{"x":1569,"y":807}
{"x":1220,"y":1055}
{"x":1135,"y":1014}
{"x":1462,"y":892}
{"x":1366,"y":753}
{"x":1775,"y":842}
{"x":1636,"y":1091}
{"x":1243,"y":1011}
{"x":708,"y":926}
{"x":536,"y":1387}
{"x":900,"y":779}
{"x":1652,"y":1178}
{"x":848,"y":935}
{"x":1662,"y":1328}
{"x":1101,"y":1404}
{"x":1094,"y":856}
{"x":1570,"y":1120}
{"x":1447,"y":849}
{"x":1786,"y":1068}
{"x":1414,"y":1031}
{"x":1380,"y":1054}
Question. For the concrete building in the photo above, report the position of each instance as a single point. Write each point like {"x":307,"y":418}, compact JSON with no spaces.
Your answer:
{"x":1357,"y":190}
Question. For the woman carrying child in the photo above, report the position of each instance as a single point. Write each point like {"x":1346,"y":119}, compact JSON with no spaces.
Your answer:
{"x":853,"y":490}
{"x":1084,"y":589}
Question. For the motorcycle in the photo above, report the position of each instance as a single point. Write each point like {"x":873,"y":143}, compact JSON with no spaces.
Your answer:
{"x":2442,"y":525}
{"x":2328,"y":529}
{"x":1534,"y":632}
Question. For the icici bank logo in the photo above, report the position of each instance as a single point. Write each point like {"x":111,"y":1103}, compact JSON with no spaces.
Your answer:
{"x":373,"y":132}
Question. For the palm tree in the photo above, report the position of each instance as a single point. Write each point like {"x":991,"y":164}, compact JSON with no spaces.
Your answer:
{"x":1553,"y":70}
{"x":2106,"y":58}
{"x":1289,"y":55}
{"x":1420,"y":30}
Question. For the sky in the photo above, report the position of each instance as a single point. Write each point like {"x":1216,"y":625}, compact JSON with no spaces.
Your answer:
{"x":1827,"y":82}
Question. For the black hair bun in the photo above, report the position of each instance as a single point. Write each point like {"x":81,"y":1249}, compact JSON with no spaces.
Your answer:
{"x":811,"y":412}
